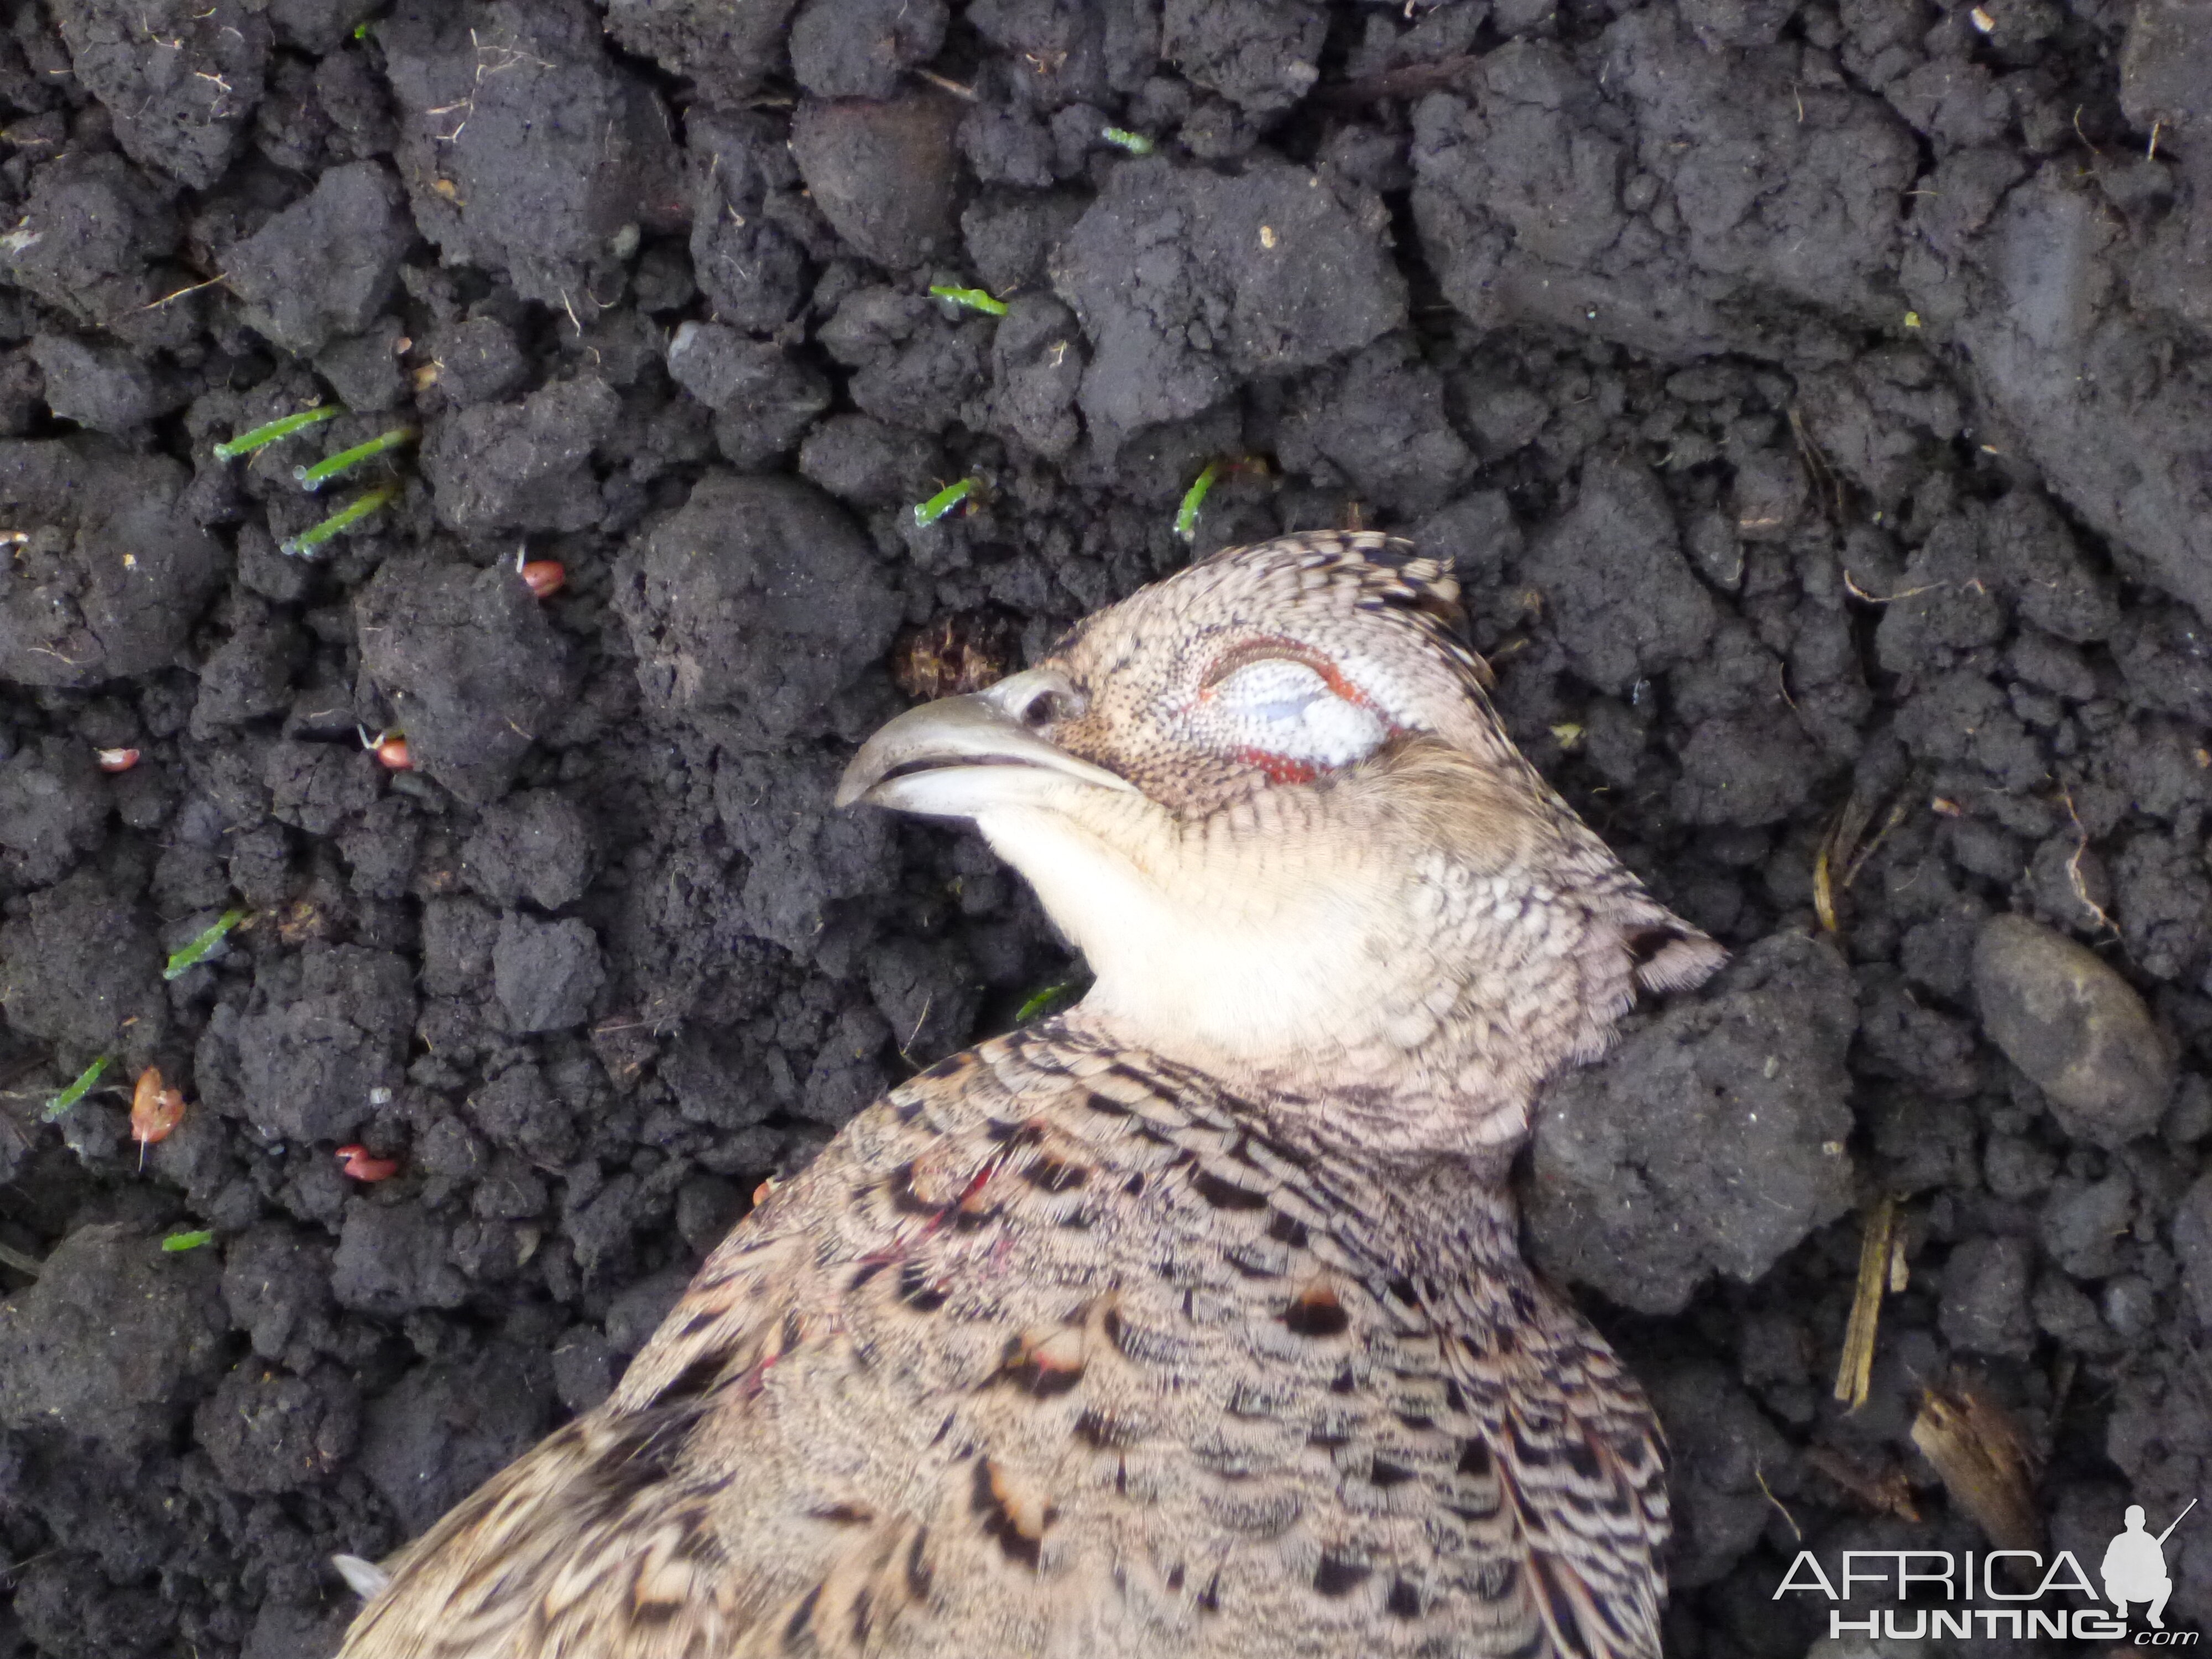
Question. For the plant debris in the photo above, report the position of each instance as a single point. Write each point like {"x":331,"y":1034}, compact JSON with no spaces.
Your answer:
{"x":78,"y":1088}
{"x":192,"y":955}
{"x":155,"y":1109}
{"x":247,"y":442}
{"x":929,"y":511}
{"x":1855,"y":1370}
{"x":1987,"y":1464}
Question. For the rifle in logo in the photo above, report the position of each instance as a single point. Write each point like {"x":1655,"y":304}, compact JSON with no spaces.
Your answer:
{"x":2135,"y":1566}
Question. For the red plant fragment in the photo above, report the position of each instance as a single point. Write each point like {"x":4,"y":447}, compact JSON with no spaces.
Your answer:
{"x":361,"y":1164}
{"x":155,"y":1111}
{"x":545,"y":577}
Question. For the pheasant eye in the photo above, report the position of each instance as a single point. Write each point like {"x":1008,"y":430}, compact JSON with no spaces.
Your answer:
{"x":1286,"y":710}
{"x":1039,"y":698}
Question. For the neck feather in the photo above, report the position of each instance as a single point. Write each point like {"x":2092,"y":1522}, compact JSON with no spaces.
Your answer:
{"x":1409,"y":950}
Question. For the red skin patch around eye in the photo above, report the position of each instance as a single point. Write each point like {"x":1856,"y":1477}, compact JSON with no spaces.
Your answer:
{"x":1280,"y":768}
{"x":1333,"y":677}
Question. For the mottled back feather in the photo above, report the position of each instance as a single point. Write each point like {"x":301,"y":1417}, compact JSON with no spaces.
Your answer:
{"x":1059,"y":1352}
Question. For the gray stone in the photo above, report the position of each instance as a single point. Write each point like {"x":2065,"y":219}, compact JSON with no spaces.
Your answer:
{"x":2076,"y":1028}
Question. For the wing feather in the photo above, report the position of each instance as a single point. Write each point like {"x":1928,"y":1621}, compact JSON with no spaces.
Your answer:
{"x":1055,"y":1351}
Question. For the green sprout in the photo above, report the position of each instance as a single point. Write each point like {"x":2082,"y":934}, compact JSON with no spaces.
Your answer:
{"x":1194,"y":498}
{"x":76,"y":1090}
{"x":195,"y":952}
{"x":929,"y":511}
{"x":1042,"y":1003}
{"x":344,"y":519}
{"x":970,"y":299}
{"x":360,"y":29}
{"x":176,"y":1243}
{"x":247,"y":442}
{"x":1122,"y":138}
{"x":312,"y":478}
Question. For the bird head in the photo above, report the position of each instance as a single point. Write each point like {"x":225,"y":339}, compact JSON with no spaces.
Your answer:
{"x":1269,"y":800}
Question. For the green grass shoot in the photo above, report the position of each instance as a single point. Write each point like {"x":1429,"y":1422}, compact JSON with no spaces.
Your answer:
{"x":191,"y":1241}
{"x":1044,"y":1002}
{"x":247,"y":442}
{"x":929,"y":511}
{"x":312,"y":478}
{"x":344,"y":520}
{"x":1194,"y":498}
{"x":76,"y":1090}
{"x":1122,"y":138}
{"x":970,"y":299}
{"x":192,"y":954}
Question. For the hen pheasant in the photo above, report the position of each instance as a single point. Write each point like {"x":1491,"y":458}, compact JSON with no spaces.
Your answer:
{"x":1192,"y":1322}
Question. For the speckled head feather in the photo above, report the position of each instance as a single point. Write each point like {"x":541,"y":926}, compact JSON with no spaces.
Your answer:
{"x":1378,"y":627}
{"x":1269,"y":799}
{"x":1192,"y":1323}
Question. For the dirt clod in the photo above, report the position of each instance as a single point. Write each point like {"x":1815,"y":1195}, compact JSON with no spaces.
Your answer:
{"x":178,"y":80}
{"x":325,"y":265}
{"x":752,"y":606}
{"x":113,"y":1342}
{"x":884,"y":172}
{"x":111,"y":569}
{"x":546,"y":974}
{"x":1187,"y":282}
{"x":472,"y":669}
{"x":1628,"y":1194}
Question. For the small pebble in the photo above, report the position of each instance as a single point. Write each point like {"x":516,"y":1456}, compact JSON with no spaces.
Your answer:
{"x":2076,"y":1028}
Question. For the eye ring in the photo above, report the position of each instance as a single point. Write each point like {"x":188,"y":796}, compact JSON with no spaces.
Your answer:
{"x":1288,"y":707}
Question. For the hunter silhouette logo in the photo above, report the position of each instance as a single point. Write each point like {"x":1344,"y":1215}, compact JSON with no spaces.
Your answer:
{"x":2135,"y":1566}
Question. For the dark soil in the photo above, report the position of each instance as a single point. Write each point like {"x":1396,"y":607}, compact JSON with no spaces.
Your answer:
{"x":1813,"y":394}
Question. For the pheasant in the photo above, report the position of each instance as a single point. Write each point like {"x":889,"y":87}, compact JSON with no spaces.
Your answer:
{"x":1192,"y":1322}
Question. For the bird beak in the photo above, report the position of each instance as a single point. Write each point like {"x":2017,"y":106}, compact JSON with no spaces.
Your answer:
{"x":959,"y":757}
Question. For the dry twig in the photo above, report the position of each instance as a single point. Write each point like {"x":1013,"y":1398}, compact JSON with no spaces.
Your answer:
{"x":1987,"y":1465}
{"x":1855,"y":1376}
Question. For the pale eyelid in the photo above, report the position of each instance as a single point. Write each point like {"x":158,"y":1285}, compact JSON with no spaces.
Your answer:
{"x":1272,"y":687}
{"x":1290,"y":708}
{"x":1272,"y":647}
{"x":1266,"y":647}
